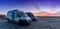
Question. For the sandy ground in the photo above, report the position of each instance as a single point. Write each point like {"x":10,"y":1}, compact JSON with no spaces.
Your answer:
{"x":41,"y":23}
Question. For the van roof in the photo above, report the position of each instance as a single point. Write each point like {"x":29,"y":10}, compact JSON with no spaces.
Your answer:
{"x":16,"y":10}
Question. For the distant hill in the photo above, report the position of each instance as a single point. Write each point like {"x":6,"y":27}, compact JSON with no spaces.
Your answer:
{"x":3,"y":16}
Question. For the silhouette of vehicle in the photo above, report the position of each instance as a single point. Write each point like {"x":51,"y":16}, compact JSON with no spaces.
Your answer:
{"x":16,"y":16}
{"x":33,"y":18}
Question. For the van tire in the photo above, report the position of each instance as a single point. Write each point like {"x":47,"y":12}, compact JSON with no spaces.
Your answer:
{"x":34,"y":19}
{"x":23,"y":23}
{"x":8,"y":20}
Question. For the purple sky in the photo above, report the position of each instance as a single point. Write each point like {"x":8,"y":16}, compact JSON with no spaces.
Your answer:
{"x":29,"y":5}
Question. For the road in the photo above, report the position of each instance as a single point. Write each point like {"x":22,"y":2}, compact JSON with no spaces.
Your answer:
{"x":42,"y":23}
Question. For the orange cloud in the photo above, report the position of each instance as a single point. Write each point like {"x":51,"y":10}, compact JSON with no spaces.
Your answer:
{"x":46,"y":14}
{"x":41,"y":14}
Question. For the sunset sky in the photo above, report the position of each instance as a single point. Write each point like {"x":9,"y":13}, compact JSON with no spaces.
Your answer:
{"x":34,"y":6}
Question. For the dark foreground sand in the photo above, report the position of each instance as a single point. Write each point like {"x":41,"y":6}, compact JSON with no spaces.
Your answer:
{"x":41,"y":23}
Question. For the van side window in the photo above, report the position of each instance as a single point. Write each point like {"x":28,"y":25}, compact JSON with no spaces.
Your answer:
{"x":13,"y":14}
{"x":18,"y":15}
{"x":30,"y":15}
{"x":24,"y":15}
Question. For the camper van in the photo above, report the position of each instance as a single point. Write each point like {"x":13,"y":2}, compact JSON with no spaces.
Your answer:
{"x":33,"y":18}
{"x":16,"y":16}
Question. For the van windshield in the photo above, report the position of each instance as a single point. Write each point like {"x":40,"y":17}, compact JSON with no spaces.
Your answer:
{"x":24,"y":15}
{"x":30,"y":15}
{"x":21,"y":15}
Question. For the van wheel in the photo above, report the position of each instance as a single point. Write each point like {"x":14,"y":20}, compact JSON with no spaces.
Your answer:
{"x":8,"y":20}
{"x":20,"y":22}
{"x":28,"y":23}
{"x":23,"y":22}
{"x":34,"y":19}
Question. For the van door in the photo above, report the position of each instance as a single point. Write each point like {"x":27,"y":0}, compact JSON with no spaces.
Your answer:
{"x":12,"y":16}
{"x":18,"y":16}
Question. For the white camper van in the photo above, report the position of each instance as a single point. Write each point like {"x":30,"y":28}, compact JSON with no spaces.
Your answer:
{"x":18,"y":17}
